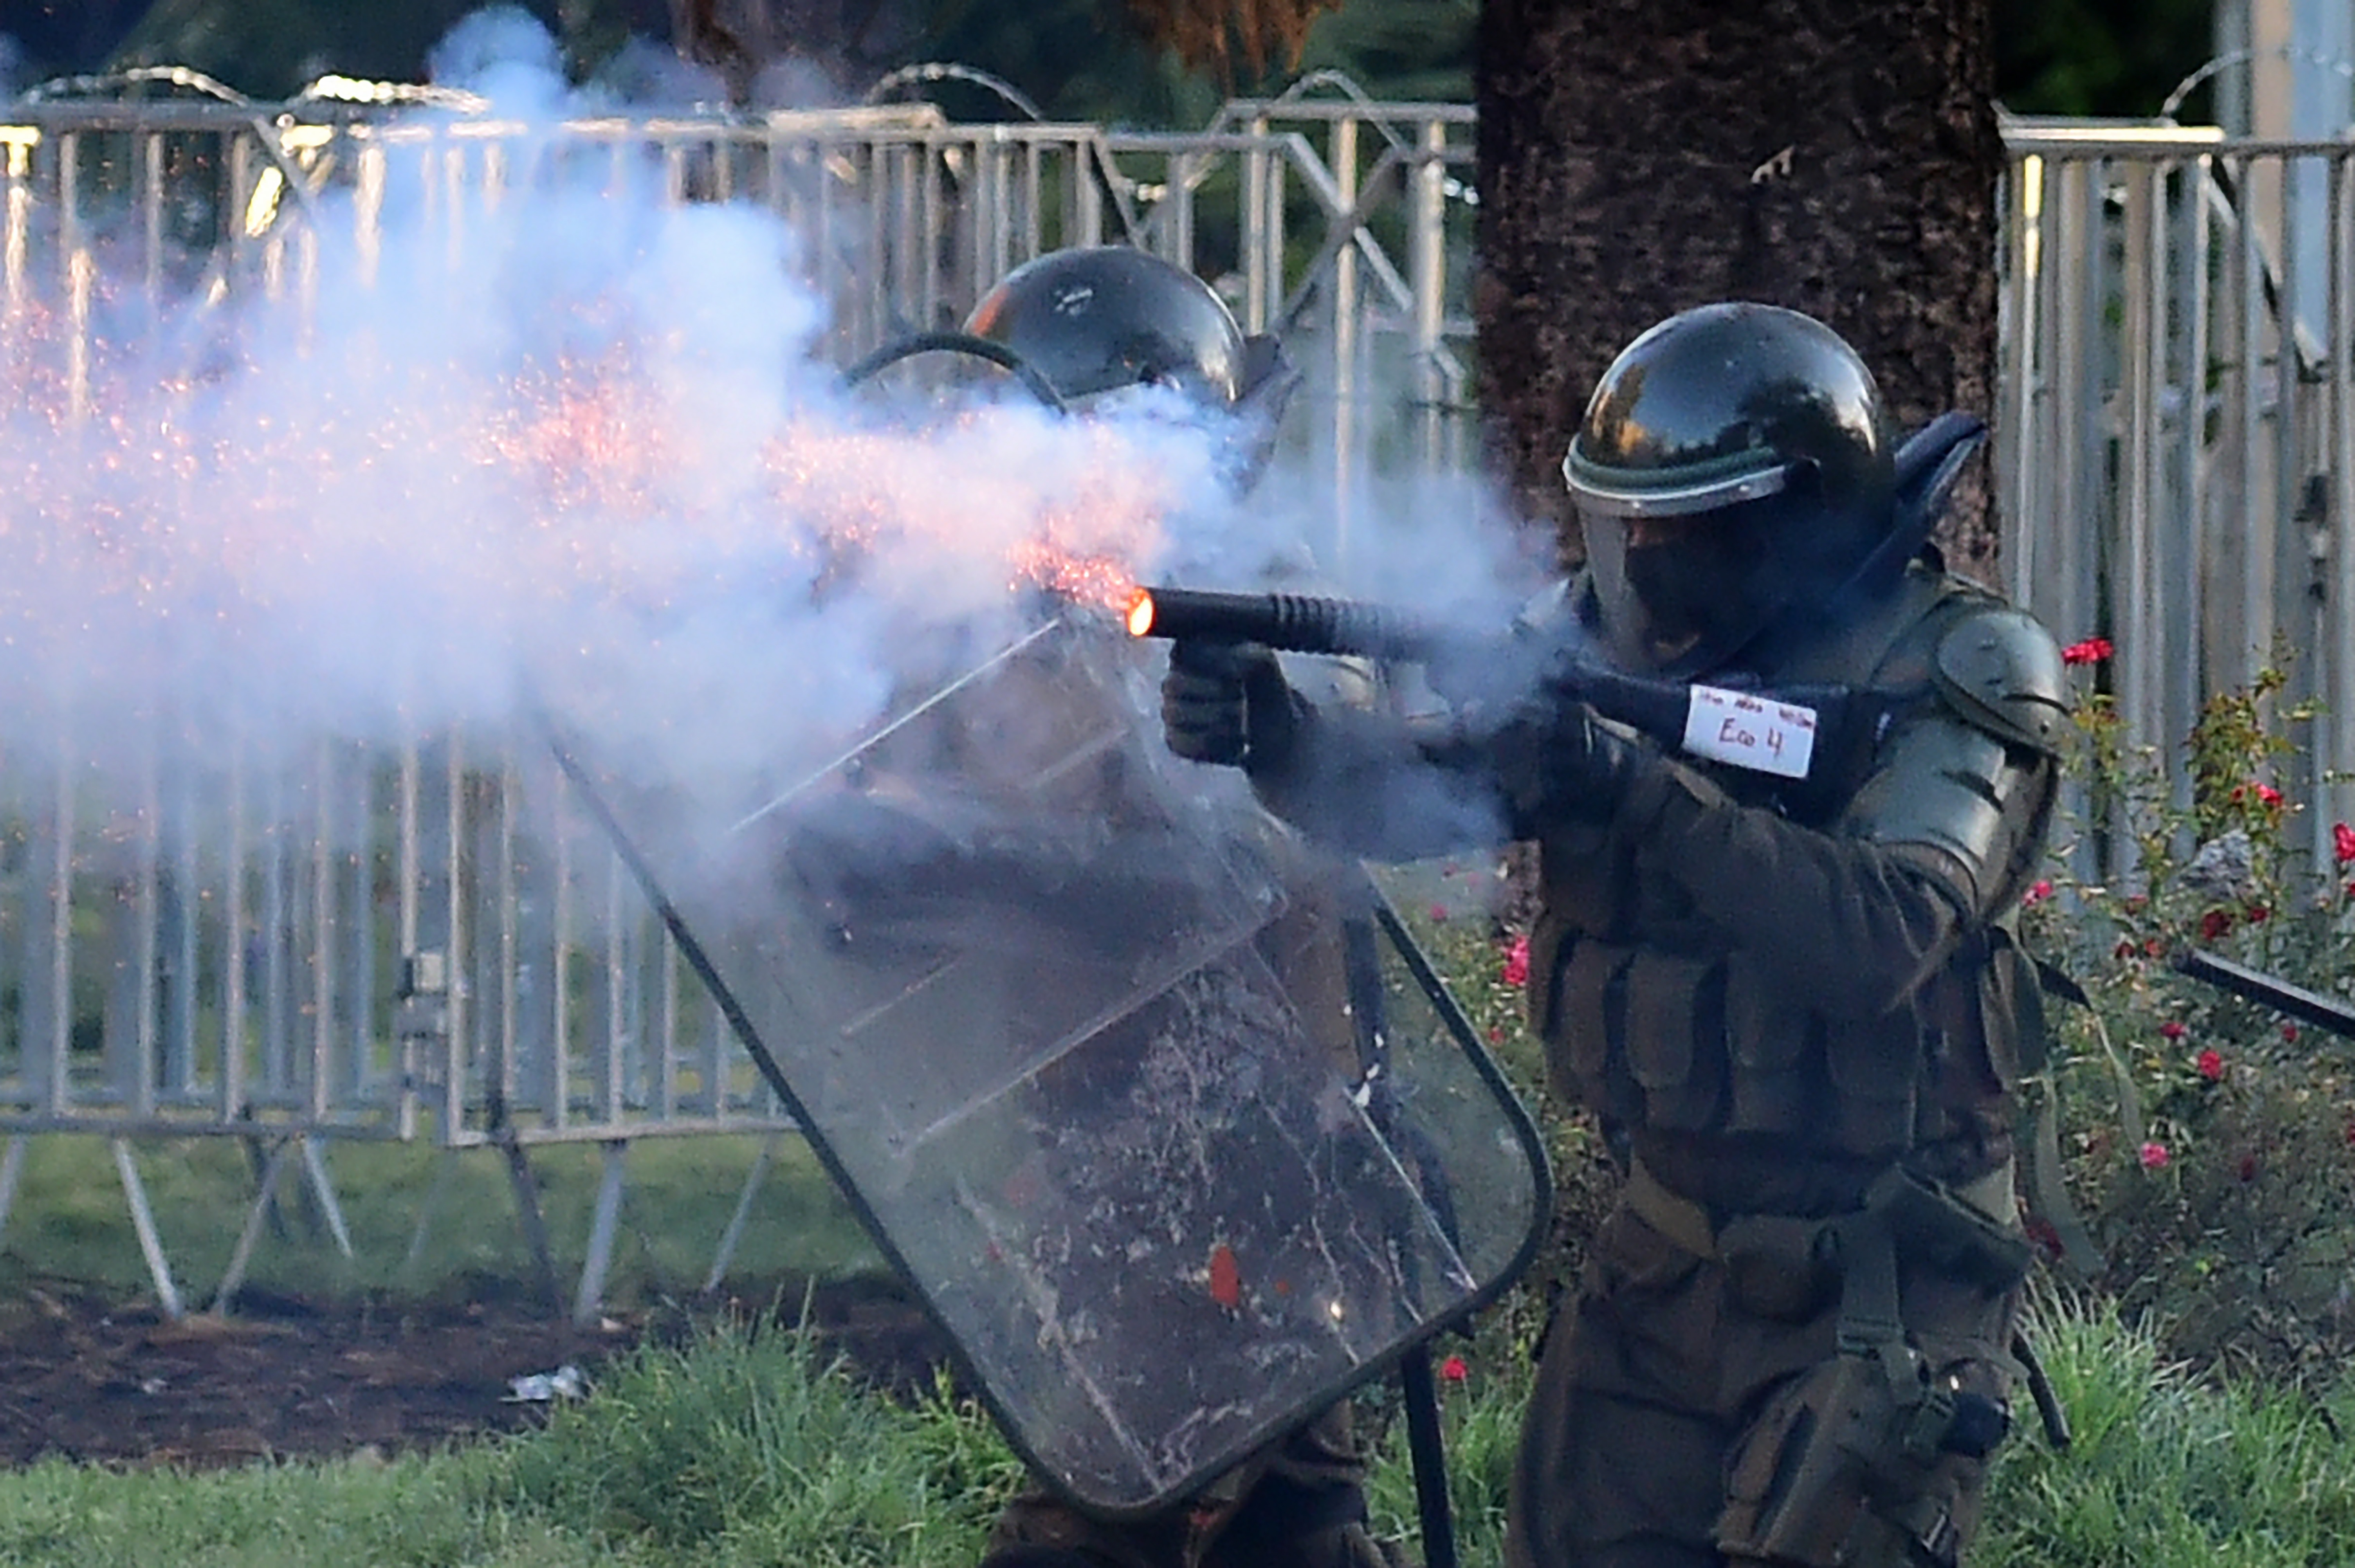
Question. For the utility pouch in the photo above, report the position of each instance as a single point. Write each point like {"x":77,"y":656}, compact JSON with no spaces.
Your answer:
{"x":1797,"y":1485}
{"x":1877,"y":1455}
{"x":1776,"y":1267}
{"x":1933,"y":1229}
{"x":1844,"y":1469}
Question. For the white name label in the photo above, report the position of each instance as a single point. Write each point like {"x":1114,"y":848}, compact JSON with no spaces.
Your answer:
{"x":1750,"y":731}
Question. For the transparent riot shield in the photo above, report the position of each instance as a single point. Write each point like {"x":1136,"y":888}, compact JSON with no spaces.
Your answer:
{"x":1159,"y":1112}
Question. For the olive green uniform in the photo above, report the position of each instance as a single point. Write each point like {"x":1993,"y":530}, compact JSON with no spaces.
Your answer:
{"x":1793,"y":1004}
{"x":1781,"y":1350}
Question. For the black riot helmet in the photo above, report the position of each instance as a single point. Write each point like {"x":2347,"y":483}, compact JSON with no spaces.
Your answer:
{"x":1095,"y":321}
{"x":1101,"y":318}
{"x":1733,"y":476}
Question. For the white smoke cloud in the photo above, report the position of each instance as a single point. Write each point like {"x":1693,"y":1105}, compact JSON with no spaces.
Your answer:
{"x":561,"y":445}
{"x":503,"y":54}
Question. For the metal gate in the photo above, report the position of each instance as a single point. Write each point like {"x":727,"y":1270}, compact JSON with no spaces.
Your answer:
{"x":421,"y":941}
{"x":2175,"y":438}
{"x":417,"y":945}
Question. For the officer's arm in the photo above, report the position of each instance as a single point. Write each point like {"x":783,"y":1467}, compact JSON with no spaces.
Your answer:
{"x":1943,"y":835}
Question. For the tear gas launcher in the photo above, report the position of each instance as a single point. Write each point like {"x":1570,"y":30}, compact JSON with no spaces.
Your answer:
{"x":1796,"y":732}
{"x":1786,"y":731}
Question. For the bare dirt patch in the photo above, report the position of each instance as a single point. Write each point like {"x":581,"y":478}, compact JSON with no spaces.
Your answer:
{"x":88,"y":1378}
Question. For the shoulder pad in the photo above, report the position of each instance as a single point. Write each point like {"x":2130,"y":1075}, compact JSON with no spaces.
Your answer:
{"x":2000,"y":669}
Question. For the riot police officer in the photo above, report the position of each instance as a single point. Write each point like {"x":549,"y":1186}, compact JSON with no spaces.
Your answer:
{"x":1104,"y":324}
{"x":1794,"y":1003}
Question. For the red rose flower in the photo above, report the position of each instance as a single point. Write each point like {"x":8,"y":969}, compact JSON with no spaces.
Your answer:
{"x":1454,"y":1370}
{"x":2342,"y":842}
{"x":2213,"y":924}
{"x":2037,"y":894}
{"x":1517,"y":962}
{"x":2174,"y":1029}
{"x":2154,"y":1157}
{"x":2211,"y":1066}
{"x":2093,"y":650}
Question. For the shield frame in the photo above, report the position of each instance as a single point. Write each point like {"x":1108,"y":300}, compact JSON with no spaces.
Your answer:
{"x":1374,"y":924}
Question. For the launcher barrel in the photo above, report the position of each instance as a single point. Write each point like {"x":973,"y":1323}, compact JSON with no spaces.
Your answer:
{"x":1295,"y":623}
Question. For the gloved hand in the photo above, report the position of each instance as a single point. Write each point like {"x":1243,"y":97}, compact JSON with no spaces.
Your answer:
{"x":1564,"y":764}
{"x":1228,"y":703}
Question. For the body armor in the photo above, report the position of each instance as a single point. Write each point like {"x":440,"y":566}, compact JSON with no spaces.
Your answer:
{"x":1850,"y":1043}
{"x":1806,"y":1014}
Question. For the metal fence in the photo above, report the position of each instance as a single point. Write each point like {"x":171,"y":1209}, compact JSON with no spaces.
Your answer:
{"x":416,"y":946}
{"x":423,"y":944}
{"x":2175,"y":437}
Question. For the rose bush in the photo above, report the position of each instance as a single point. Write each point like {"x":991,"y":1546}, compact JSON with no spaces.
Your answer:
{"x":2209,"y":1142}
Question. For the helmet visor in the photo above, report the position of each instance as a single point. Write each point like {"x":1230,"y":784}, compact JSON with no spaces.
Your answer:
{"x":1679,"y":594}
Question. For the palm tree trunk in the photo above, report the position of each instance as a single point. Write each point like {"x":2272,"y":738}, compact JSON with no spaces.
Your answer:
{"x":1641,"y":156}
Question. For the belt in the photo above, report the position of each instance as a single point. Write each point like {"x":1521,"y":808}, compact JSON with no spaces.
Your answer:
{"x":1690,"y":1226}
{"x":1674,"y":1215}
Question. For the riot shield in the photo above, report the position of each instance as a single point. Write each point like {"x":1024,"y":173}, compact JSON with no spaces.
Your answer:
{"x":1157,"y":1111}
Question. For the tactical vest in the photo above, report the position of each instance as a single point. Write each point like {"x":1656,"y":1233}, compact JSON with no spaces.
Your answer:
{"x":1674,"y":1037}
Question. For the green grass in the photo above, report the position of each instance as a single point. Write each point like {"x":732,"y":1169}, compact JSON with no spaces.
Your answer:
{"x":2168,"y":1470}
{"x":1481,"y":1418}
{"x":70,"y":1219}
{"x":740,"y":1448}
{"x":743,"y":1448}
{"x":419,"y":1512}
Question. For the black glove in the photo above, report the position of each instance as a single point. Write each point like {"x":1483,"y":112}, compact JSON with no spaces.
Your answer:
{"x":1228,"y":703}
{"x":1563,"y":764}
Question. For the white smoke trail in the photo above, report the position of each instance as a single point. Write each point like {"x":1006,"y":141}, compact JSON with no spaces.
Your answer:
{"x":589,"y":449}
{"x":566,"y":443}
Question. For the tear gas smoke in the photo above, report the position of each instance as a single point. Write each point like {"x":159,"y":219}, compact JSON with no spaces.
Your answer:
{"x":554,"y":444}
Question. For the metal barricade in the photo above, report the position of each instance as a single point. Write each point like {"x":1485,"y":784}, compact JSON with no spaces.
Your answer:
{"x":426,"y":943}
{"x":2175,"y":436}
{"x":421,"y":944}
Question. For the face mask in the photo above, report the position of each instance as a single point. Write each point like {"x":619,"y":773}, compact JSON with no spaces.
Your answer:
{"x":1679,"y":594}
